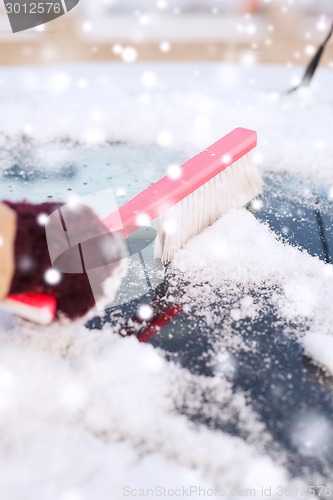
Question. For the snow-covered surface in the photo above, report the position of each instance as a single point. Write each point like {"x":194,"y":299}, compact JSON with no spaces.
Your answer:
{"x":85,"y":414}
{"x":181,"y":106}
{"x":94,"y":413}
{"x":243,"y":253}
{"x":319,"y":346}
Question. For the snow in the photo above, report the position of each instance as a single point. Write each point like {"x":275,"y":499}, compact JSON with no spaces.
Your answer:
{"x":85,"y":413}
{"x":242,"y":252}
{"x":213,"y":99}
{"x":238,"y":253}
{"x":96,"y":413}
{"x":319,"y":346}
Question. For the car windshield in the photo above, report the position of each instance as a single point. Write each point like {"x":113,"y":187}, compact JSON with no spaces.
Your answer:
{"x":262,"y":355}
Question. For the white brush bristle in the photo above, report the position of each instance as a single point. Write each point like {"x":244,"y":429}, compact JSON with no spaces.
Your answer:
{"x":236,"y":186}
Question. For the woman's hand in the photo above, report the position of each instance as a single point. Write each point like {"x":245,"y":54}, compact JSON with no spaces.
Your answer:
{"x":7,"y":254}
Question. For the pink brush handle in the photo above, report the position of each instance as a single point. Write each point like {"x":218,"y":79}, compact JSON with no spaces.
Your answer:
{"x":166,"y":192}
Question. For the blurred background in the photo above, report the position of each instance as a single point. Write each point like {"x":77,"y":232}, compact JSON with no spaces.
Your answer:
{"x":281,"y":31}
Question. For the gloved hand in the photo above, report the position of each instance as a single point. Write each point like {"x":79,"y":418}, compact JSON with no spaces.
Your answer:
{"x":80,"y":274}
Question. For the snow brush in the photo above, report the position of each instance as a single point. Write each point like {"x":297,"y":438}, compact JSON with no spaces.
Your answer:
{"x":220,"y":178}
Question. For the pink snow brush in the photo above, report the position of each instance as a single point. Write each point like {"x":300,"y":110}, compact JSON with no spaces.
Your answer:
{"x":220,"y":178}
{"x":203,"y":189}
